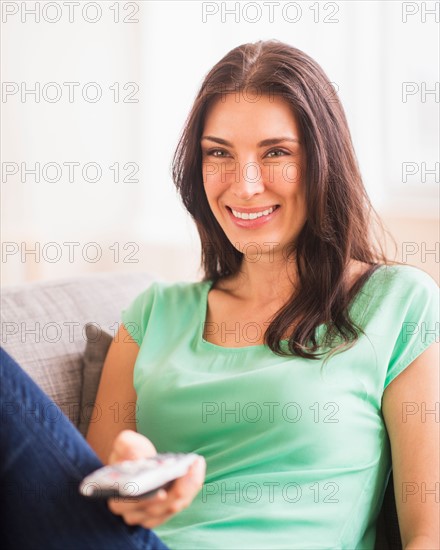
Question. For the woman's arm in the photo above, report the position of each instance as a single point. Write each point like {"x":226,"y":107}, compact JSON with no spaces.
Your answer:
{"x":116,"y":398}
{"x":411,"y":411}
{"x":112,"y":438}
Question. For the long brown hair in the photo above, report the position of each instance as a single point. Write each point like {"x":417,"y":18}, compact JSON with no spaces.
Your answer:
{"x":339,"y":213}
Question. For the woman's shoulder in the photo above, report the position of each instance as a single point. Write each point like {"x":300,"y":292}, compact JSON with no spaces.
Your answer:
{"x":400,"y":290}
{"x":397,"y":288}
{"x":404,"y":276}
{"x":160,"y":291}
{"x":178,"y":290}
{"x":178,"y":286}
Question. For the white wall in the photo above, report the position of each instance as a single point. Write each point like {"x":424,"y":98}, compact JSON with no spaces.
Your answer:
{"x":365,"y":47}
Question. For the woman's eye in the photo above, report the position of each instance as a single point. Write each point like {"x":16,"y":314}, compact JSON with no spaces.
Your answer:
{"x":216,"y":153}
{"x":269,"y":154}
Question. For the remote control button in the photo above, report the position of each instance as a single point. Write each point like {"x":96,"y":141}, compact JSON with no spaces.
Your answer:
{"x":127,"y":467}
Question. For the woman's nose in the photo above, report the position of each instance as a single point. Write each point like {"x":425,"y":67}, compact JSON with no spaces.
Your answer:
{"x":248,"y":180}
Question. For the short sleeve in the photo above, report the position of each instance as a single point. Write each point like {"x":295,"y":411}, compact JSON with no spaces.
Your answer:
{"x":135,"y":317}
{"x":417,"y":311}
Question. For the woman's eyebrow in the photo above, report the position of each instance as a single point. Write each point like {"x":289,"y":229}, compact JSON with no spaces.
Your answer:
{"x":263,"y":143}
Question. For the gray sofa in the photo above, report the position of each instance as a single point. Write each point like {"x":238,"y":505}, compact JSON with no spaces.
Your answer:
{"x":59,"y":332}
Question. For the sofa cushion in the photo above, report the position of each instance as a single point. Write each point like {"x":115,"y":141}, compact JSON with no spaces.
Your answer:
{"x":43,"y":327}
{"x":98,"y":343}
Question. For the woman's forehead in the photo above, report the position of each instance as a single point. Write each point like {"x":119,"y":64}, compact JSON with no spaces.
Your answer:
{"x":233,"y":111}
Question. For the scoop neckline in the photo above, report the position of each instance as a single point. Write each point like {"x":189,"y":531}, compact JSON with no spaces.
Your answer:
{"x":204,"y":311}
{"x":208,"y":284}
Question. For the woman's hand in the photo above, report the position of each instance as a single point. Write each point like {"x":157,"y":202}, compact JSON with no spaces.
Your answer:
{"x":150,"y":512}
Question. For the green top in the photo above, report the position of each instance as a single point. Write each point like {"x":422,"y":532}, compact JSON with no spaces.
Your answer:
{"x":297,"y":455}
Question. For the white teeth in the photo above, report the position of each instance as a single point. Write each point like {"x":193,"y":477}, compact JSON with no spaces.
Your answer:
{"x":253,"y":215}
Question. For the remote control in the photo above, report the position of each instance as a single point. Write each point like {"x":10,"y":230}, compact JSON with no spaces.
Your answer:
{"x":135,"y":479}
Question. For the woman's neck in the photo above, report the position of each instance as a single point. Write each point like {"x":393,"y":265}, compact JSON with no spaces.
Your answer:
{"x":263,"y":281}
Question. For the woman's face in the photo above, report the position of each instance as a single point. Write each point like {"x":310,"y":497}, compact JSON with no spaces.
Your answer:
{"x":253,"y":172}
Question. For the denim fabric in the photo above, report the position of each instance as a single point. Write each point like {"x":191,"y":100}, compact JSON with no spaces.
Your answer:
{"x":43,"y":458}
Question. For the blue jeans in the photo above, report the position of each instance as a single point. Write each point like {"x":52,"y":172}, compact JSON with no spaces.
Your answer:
{"x":43,"y":458}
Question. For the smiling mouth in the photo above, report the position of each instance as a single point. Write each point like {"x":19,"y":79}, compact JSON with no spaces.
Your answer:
{"x":252,"y":215}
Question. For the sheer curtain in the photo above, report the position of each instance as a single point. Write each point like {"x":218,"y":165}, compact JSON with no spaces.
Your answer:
{"x":148,"y":60}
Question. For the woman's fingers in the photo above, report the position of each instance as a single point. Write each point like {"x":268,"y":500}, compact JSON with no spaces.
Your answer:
{"x":181,"y":493}
{"x":148,"y":512}
{"x":187,"y":486}
{"x":157,"y":509}
{"x":120,"y":505}
{"x":139,"y":517}
{"x":130,"y":445}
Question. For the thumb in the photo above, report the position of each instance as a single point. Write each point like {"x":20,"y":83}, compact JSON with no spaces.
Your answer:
{"x":130,"y":445}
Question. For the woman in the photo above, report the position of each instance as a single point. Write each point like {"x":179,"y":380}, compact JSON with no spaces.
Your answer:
{"x":289,"y":366}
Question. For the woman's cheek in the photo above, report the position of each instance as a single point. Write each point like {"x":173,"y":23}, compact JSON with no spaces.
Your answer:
{"x":212,"y":171}
{"x":286,"y":173}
